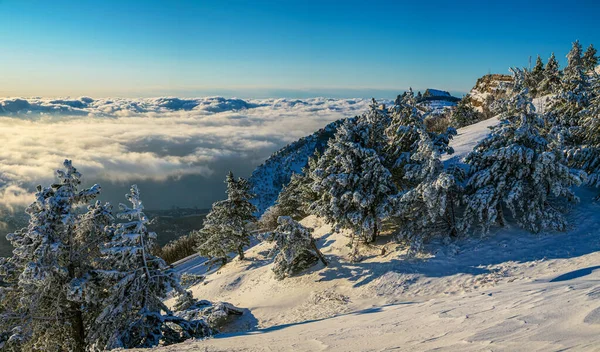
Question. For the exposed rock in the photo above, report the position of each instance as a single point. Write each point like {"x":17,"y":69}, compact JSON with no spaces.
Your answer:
{"x":488,"y":89}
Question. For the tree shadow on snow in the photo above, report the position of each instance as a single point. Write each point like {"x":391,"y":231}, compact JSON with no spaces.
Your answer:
{"x":575,"y":274}
{"x":284,"y":326}
{"x":478,"y":255}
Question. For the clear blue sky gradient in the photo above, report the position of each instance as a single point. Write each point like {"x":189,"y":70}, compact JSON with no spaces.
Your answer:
{"x":281,"y":48}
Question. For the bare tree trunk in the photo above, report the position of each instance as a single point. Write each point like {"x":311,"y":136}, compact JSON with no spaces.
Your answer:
{"x":241,"y":253}
{"x":319,"y":254}
{"x":452,"y":219}
{"x":76,"y":319}
{"x":375,"y":233}
{"x":500,"y":217}
{"x":77,"y":328}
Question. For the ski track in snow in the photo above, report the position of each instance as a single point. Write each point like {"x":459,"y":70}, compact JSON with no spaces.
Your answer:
{"x":510,"y":291}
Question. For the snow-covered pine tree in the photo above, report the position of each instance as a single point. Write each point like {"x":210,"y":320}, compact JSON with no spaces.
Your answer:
{"x":10,"y":334}
{"x":353,"y":186}
{"x":590,"y":60}
{"x":464,"y":114}
{"x":291,"y":201}
{"x":428,"y":209}
{"x":572,"y":98}
{"x":517,"y":168}
{"x":130,"y":288}
{"x":574,"y":72}
{"x":535,"y":77}
{"x":379,"y":120}
{"x":294,"y":198}
{"x":585,"y":154}
{"x":295,"y":248}
{"x":51,"y":260}
{"x":403,"y":136}
{"x":551,"y":78}
{"x":224,"y":230}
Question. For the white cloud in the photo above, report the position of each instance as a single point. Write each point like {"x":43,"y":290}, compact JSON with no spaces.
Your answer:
{"x":159,"y":139}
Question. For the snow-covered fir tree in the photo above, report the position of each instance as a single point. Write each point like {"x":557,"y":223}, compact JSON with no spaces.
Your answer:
{"x":572,"y":98}
{"x":586,"y":153}
{"x":224,"y":230}
{"x":131,"y":288}
{"x":295,"y":248}
{"x":403,"y":136}
{"x":518,"y":169}
{"x":50,"y":260}
{"x":11,"y":337}
{"x":378,"y":119}
{"x":590,"y":58}
{"x":551,"y":81}
{"x":574,"y":72}
{"x":535,"y":78}
{"x":291,"y":200}
{"x":428,"y":209}
{"x":353,"y":185}
{"x":464,"y":114}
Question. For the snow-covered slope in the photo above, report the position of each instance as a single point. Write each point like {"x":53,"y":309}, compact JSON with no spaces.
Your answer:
{"x":511,"y":291}
{"x":467,"y":138}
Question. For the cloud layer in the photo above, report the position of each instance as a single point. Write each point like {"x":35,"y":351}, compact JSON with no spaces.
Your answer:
{"x":159,"y":141}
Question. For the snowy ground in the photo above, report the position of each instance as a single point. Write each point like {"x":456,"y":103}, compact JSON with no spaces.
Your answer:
{"x":511,"y":291}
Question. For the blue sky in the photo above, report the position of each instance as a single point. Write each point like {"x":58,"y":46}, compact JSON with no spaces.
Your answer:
{"x":276,"y":48}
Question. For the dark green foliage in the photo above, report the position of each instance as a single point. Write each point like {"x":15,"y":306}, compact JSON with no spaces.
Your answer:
{"x":294,"y":247}
{"x":224,"y":230}
{"x":178,"y":249}
{"x":590,"y":60}
{"x":464,"y":114}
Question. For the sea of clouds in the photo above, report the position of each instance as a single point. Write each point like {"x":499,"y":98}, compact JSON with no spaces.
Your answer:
{"x":177,"y":150}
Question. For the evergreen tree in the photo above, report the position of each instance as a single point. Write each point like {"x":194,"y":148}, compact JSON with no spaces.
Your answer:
{"x":50,"y":260}
{"x":551,"y":78}
{"x":428,"y":209}
{"x":11,"y":337}
{"x":538,"y":69}
{"x":517,"y":168}
{"x":590,"y":60}
{"x":353,"y":186}
{"x":573,"y":96}
{"x":403,"y":137}
{"x":290,"y":202}
{"x":464,"y":114}
{"x":585,"y":154}
{"x":378,"y":120}
{"x":291,"y":199}
{"x":131,"y":288}
{"x":224,"y":229}
{"x":295,"y":247}
{"x":535,"y":78}
{"x":574,"y":72}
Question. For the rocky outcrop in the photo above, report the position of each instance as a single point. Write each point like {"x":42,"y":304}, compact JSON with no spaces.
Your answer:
{"x":488,"y":89}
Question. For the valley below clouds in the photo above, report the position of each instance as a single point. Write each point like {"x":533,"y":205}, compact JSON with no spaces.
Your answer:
{"x":176,"y":150}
